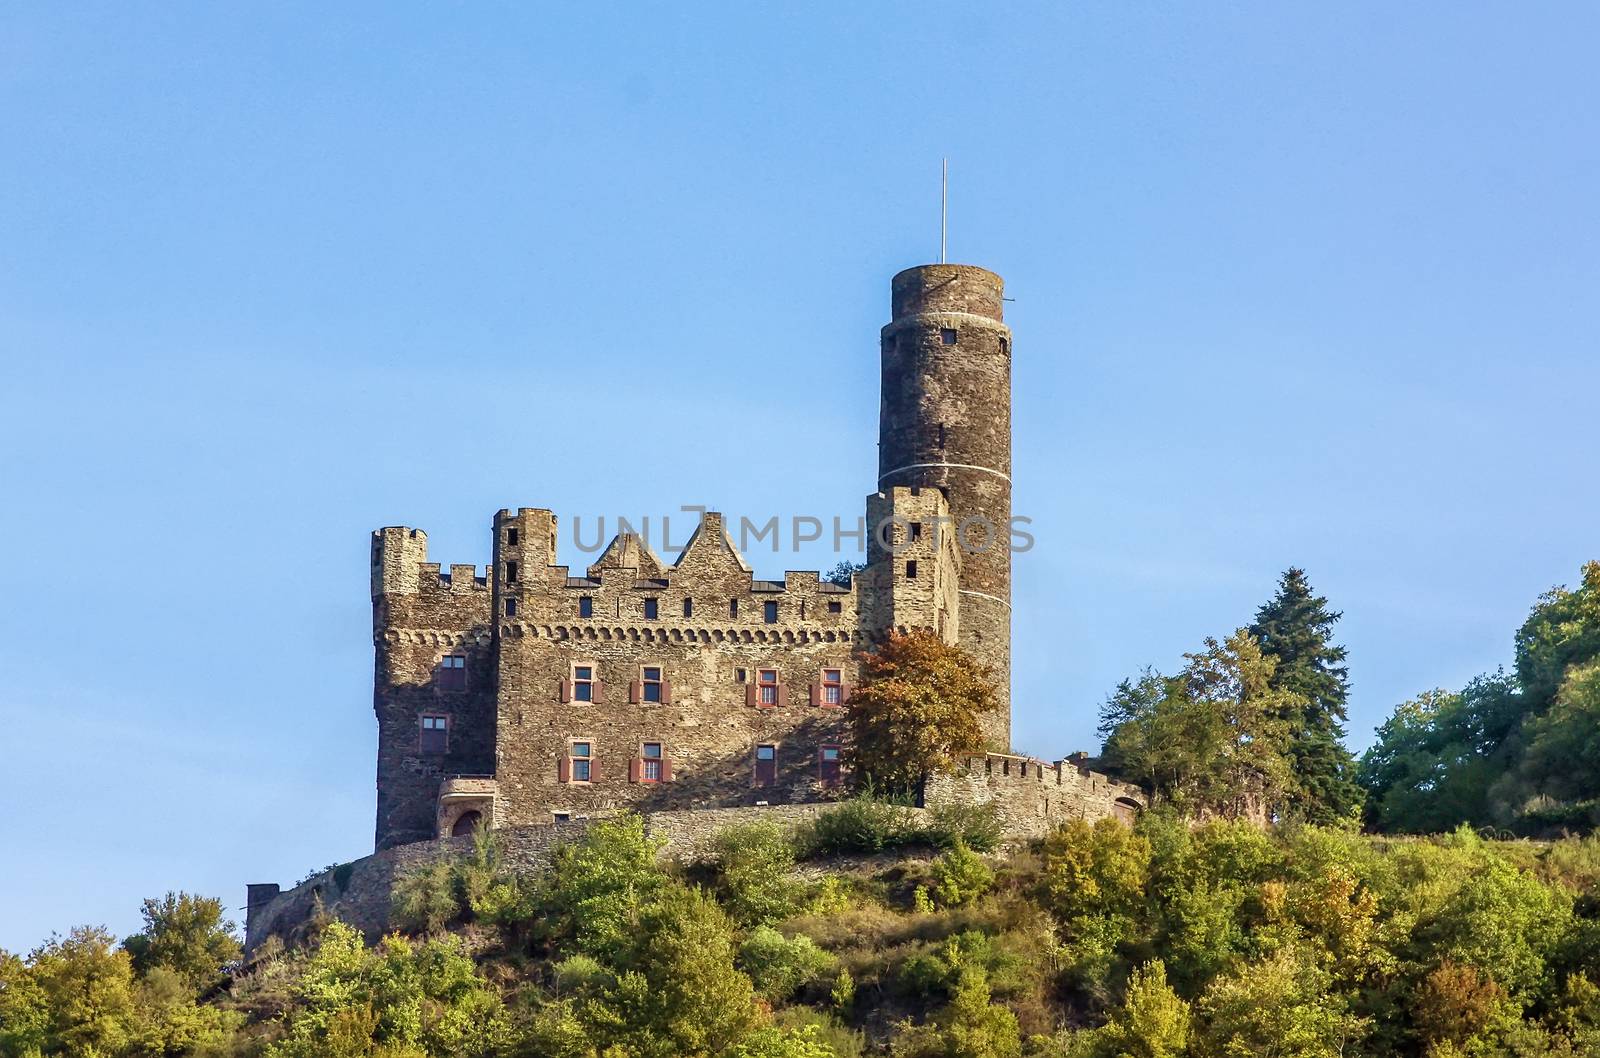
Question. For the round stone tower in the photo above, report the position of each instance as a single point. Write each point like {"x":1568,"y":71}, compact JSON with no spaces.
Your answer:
{"x":944,"y":422}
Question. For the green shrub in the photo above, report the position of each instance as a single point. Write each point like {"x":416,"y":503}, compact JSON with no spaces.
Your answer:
{"x":978,"y":826}
{"x":490,"y":891}
{"x":774,"y":1042}
{"x":936,"y":972}
{"x":425,"y":898}
{"x":841,"y":1040}
{"x":781,"y":966}
{"x":960,"y":876}
{"x":830,"y":896}
{"x":862,"y":824}
{"x":753,"y":865}
{"x":600,"y":884}
{"x":1153,"y":1021}
{"x":580,"y":974}
{"x":971,"y":1026}
{"x":843,"y":992}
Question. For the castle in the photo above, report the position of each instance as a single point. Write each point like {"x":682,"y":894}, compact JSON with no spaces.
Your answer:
{"x":529,"y":699}
{"x":535,"y":693}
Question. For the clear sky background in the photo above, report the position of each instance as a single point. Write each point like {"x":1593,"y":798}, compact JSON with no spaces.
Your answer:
{"x":1295,"y":283}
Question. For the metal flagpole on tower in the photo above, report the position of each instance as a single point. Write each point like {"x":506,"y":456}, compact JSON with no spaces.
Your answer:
{"x":944,"y":204}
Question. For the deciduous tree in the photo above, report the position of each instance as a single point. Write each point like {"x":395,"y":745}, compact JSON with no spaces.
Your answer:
{"x":919,"y":710}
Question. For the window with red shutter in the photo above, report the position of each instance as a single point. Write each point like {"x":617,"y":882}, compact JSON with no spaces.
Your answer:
{"x":767,"y":687}
{"x":583,"y":683}
{"x":832,"y":687}
{"x":650,"y":761}
{"x":581,"y":755}
{"x":650,"y":683}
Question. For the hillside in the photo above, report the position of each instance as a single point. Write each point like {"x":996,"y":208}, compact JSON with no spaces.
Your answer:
{"x":860,"y":936}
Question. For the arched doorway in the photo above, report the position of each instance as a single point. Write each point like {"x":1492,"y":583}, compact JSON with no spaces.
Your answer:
{"x":466,"y":823}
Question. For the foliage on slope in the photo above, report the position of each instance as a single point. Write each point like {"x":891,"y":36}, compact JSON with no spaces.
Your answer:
{"x":1163,"y":940}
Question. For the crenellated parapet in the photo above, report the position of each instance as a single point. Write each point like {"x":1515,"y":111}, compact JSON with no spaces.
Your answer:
{"x":709,"y":583}
{"x":1033,"y":795}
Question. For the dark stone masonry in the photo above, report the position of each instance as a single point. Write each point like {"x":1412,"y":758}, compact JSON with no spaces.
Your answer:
{"x":530,"y":696}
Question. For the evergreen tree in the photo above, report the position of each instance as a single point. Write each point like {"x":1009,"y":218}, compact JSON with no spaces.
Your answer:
{"x":1296,"y":628}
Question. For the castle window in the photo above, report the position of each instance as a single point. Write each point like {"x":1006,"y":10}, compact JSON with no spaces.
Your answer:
{"x":740,"y":675}
{"x":651,"y":686}
{"x":947,"y":335}
{"x":832,"y":687}
{"x":652,"y":763}
{"x":828,"y":765}
{"x":766,"y":765}
{"x":769,"y":612}
{"x":511,"y":572}
{"x":688,"y":607}
{"x":511,"y":537}
{"x":560,"y":817}
{"x":916,"y":531}
{"x":511,"y":607}
{"x":1005,"y":346}
{"x":767,"y":687}
{"x":435,"y":736}
{"x":582,"y":683}
{"x":733,"y":607}
{"x":835,"y":606}
{"x":652,"y":609}
{"x":585,"y":606}
{"x":941,"y":435}
{"x":580,"y":764}
{"x":911,"y":570}
{"x":451,"y":675}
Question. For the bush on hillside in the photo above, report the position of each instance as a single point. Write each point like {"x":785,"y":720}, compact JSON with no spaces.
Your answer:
{"x":960,"y":876}
{"x":781,"y":966}
{"x":864,"y":824}
{"x":753,"y":865}
{"x":977,"y":826}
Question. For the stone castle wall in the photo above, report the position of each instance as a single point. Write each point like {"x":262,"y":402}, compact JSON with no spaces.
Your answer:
{"x":1029,"y":796}
{"x":359,"y":892}
{"x":706,"y":622}
{"x":1033,"y":796}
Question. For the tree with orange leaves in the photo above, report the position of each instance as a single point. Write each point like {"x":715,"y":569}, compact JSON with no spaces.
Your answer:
{"x":918,"y":711}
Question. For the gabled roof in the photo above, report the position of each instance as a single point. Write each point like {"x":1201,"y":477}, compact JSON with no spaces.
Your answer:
{"x":710,"y":548}
{"x":628,"y":551}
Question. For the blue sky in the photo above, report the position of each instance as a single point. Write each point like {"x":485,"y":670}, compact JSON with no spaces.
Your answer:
{"x":1294,"y":283}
